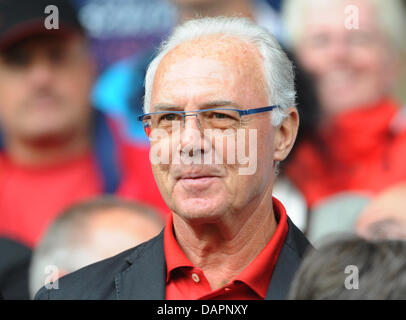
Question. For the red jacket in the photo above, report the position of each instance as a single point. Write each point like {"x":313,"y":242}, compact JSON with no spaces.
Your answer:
{"x":32,"y":197}
{"x":362,"y":150}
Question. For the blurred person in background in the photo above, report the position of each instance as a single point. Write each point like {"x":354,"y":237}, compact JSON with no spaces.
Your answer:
{"x":89,"y":232}
{"x":257,"y":10}
{"x":385,"y":216}
{"x":56,"y":149}
{"x":351,"y":268}
{"x":353,"y":49}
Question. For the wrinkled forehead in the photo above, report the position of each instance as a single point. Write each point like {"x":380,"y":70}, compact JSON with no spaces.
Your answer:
{"x":216,"y":57}
{"x":221,"y":47}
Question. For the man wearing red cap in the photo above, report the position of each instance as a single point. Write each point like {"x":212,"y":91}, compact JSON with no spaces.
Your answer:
{"x":56,"y":149}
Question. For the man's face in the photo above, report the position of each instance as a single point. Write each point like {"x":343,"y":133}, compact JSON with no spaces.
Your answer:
{"x":44,"y":87}
{"x":352,"y":67}
{"x":203,"y":74}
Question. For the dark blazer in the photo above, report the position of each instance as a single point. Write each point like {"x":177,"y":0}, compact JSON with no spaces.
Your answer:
{"x":15,"y":260}
{"x":140,"y":273}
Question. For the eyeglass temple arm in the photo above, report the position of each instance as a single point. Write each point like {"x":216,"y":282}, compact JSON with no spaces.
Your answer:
{"x":258,"y":110}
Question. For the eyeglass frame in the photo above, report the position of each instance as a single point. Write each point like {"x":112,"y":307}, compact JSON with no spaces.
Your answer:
{"x":241,"y":112}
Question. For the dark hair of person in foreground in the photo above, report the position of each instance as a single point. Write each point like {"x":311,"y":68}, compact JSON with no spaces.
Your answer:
{"x":352,"y":268}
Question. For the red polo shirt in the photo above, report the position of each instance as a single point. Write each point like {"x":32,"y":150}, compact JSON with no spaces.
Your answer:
{"x":186,"y":282}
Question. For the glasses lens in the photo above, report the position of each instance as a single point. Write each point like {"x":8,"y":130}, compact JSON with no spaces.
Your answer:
{"x":220,"y":119}
{"x":165,"y":120}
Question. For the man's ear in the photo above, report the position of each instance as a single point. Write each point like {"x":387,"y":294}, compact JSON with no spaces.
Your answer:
{"x":285,"y":135}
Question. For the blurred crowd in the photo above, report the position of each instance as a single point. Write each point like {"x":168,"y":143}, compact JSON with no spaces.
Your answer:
{"x":75,"y":179}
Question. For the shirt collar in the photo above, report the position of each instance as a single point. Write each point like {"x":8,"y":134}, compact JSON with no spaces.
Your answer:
{"x":174,"y":255}
{"x":257,"y":274}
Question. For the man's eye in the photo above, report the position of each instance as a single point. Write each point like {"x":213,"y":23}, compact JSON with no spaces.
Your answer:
{"x":360,"y":38}
{"x":169,"y":117}
{"x":224,"y":115}
{"x":319,"y":40}
{"x":17,"y":58}
{"x":220,"y":115}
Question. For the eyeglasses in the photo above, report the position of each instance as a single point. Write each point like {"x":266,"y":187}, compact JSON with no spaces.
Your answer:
{"x":216,"y":118}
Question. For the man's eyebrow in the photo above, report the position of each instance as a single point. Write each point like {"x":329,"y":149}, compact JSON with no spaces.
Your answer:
{"x":166,"y":106}
{"x":206,"y":105}
{"x":219,"y":103}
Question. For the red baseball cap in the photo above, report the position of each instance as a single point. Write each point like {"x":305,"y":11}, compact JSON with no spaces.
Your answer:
{"x":21,"y":19}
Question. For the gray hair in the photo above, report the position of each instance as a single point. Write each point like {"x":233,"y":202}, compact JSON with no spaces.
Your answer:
{"x":277,"y":68}
{"x":390,"y":15}
{"x":380,"y":266}
{"x":64,"y":243}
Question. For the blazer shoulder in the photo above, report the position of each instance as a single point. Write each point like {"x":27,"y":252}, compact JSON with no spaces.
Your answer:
{"x":95,"y":281}
{"x":289,"y":260}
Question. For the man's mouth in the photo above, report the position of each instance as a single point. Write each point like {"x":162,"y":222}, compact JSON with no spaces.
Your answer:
{"x":196,"y":176}
{"x":197,"y":180}
{"x":197,"y":183}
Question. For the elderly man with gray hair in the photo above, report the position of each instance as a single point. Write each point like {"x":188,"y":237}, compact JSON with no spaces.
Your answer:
{"x":355,"y":51}
{"x":218,"y":89}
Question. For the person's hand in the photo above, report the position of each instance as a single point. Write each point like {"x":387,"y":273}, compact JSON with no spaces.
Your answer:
{"x":385,"y":216}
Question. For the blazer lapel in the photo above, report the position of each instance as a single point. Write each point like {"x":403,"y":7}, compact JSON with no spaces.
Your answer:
{"x":144,"y":279}
{"x":288,"y":262}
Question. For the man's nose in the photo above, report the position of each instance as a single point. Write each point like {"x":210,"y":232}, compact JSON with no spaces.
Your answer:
{"x":191,"y":137}
{"x":339,"y":50}
{"x":40,"y":72}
